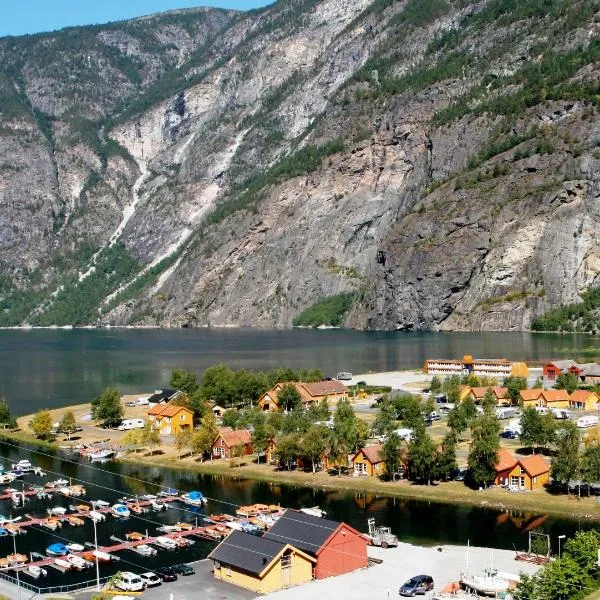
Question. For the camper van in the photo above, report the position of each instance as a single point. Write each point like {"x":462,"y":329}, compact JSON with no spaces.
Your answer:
{"x":514,"y":426}
{"x":128,"y":424}
{"x":560,"y":413}
{"x":589,"y":421}
{"x":505,"y":413}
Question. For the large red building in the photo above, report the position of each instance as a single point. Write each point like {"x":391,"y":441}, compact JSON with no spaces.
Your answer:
{"x":337,"y":547}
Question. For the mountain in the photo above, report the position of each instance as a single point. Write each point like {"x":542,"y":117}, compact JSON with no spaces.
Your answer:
{"x":381,"y":164}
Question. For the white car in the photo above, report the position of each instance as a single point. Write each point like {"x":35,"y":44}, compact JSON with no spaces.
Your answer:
{"x":128,"y":582}
{"x":150,"y":579}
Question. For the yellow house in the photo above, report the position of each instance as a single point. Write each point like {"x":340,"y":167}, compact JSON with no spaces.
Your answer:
{"x":170,"y":419}
{"x":531,"y":398}
{"x":369,"y":461}
{"x":555,"y":398}
{"x":584,"y":399}
{"x":333,"y":391}
{"x":259,"y":564}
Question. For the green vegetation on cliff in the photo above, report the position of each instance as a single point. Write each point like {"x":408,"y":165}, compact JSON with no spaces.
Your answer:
{"x":579,"y":316}
{"x":328,"y":311}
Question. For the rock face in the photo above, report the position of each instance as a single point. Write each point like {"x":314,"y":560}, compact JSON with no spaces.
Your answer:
{"x":437,"y":158}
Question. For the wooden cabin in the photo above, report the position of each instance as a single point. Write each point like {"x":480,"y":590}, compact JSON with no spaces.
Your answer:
{"x":584,"y":400}
{"x":368,"y":461}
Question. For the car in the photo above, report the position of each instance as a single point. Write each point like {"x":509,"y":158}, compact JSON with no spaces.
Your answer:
{"x":183,"y":569}
{"x":128,"y":582}
{"x":166,"y":574}
{"x":150,"y":579}
{"x":461,"y":475}
{"x":509,"y":434}
{"x":434,"y":416}
{"x":417,"y":586}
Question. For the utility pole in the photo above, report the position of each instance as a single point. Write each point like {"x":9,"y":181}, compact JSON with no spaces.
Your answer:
{"x":560,"y":537}
{"x":96,"y":545}
{"x":17,"y":570}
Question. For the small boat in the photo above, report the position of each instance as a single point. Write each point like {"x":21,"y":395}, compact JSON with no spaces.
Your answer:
{"x":490,"y":583}
{"x":77,"y":490}
{"x":158,"y":505}
{"x":14,"y":529}
{"x":4,"y":520}
{"x":134,"y":536}
{"x":51,"y":523}
{"x":80,"y":508}
{"x":79,"y":563}
{"x":3,"y":532}
{"x":148,"y":497}
{"x":35,"y":572}
{"x":18,"y":499}
{"x":169,"y":492}
{"x":315,"y":511}
{"x":75,"y":521}
{"x":100,"y":503}
{"x":246,"y":511}
{"x":184,"y":526}
{"x":6,"y":478}
{"x":168,"y":528}
{"x":249,"y":527}
{"x":58,"y":483}
{"x":57,"y":550}
{"x":120,"y":510}
{"x":64,"y":565}
{"x":23,"y":465}
{"x":42,"y":495}
{"x":94,"y":515}
{"x":234,"y":525}
{"x":73,"y":547}
{"x":17,"y":560}
{"x":104,"y":556}
{"x":165,"y":542}
{"x":104,"y":454}
{"x":17,"y":473}
{"x":183,"y":542}
{"x":194,"y":498}
{"x":144,"y":550}
{"x":57,"y":511}
{"x":136,"y":509}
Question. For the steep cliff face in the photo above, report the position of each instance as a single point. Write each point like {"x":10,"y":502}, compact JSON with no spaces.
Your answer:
{"x":437,"y":159}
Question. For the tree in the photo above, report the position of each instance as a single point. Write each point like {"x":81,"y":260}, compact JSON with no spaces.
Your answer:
{"x":41,"y":424}
{"x":483,"y":453}
{"x":287,"y":449}
{"x":231,"y":418}
{"x":107,"y":407}
{"x":6,"y":418}
{"x":565,"y":463}
{"x":457,"y":420}
{"x":428,"y":405}
{"x":583,"y":549}
{"x":296,"y":421}
{"x":345,"y":425}
{"x":446,"y":460}
{"x":470,"y":409}
{"x":538,"y":384}
{"x":514,"y":385}
{"x":422,"y":455}
{"x":567,"y":381}
{"x":186,"y":381}
{"x":488,"y":402}
{"x":197,"y":404}
{"x":289,"y":397}
{"x":532,"y":428}
{"x":203,"y":438}
{"x":67,"y":423}
{"x":559,"y":580}
{"x":338,"y":450}
{"x":435,"y":385}
{"x":262,"y":434}
{"x":314,"y":444}
{"x":150,"y":437}
{"x":385,"y":418}
{"x":182,"y":440}
{"x":409,"y":410}
{"x":391,"y":455}
{"x":590,"y":465}
{"x":451,"y":387}
{"x":134,"y":438}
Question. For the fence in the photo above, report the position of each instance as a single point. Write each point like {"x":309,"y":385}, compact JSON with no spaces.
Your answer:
{"x":55,"y":588}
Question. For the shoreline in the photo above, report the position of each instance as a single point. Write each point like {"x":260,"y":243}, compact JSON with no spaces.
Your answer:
{"x":452,"y":493}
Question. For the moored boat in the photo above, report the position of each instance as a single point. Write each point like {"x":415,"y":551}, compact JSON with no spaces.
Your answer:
{"x":315,"y":511}
{"x":75,"y":521}
{"x":94,"y":515}
{"x":79,"y":563}
{"x":51,"y":523}
{"x":63,"y":564}
{"x":165,"y":542}
{"x":120,"y":510}
{"x":57,"y":550}
{"x":100,"y":503}
{"x":23,"y":465}
{"x":194,"y":498}
{"x":57,"y":511}
{"x":184,"y":526}
{"x":144,"y":550}
{"x":103,"y":454}
{"x":35,"y":572}
{"x":158,"y":505}
{"x":73,"y":547}
{"x":17,"y":560}
{"x":134,"y":536}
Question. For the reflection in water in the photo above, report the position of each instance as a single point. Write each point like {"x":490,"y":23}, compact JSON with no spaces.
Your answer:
{"x":52,"y":368}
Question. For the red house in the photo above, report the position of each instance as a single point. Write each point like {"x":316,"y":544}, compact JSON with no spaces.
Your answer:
{"x":231,"y":438}
{"x":337,"y":547}
{"x":554,"y":369}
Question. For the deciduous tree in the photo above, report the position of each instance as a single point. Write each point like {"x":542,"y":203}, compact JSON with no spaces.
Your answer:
{"x":391,"y":455}
{"x":565,"y":463}
{"x":289,"y":397}
{"x":6,"y":418}
{"x":67,"y":423}
{"x":183,"y":438}
{"x":590,"y":465}
{"x":422,"y":455}
{"x":488,"y":402}
{"x":567,"y":381}
{"x":107,"y":407}
{"x":186,"y":381}
{"x":483,"y":453}
{"x":287,"y":449}
{"x":41,"y":424}
{"x":314,"y":444}
{"x":446,"y":460}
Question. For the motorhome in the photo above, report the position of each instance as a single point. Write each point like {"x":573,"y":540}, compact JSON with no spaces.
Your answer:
{"x":128,"y":424}
{"x":505,"y":413}
{"x":560,"y":413}
{"x":515,"y":426}
{"x":587,"y":421}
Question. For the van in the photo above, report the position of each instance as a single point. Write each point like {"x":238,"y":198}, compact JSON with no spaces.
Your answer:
{"x":588,"y":421}
{"x":405,"y":435}
{"x":505,"y":413}
{"x":128,"y":424}
{"x":542,"y":410}
{"x":560,"y":413}
{"x":142,"y":401}
{"x":128,"y":582}
{"x":344,"y":376}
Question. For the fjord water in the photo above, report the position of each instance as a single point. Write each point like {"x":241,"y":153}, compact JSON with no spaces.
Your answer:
{"x":413,"y":521}
{"x":53,"y":368}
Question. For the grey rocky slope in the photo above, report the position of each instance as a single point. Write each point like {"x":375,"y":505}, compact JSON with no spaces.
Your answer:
{"x":437,"y":159}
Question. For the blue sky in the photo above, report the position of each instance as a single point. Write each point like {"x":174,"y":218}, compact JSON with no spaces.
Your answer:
{"x":31,"y":16}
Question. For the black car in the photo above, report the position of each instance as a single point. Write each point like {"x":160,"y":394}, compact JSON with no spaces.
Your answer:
{"x":183,"y":569}
{"x":166,"y":574}
{"x":417,"y":586}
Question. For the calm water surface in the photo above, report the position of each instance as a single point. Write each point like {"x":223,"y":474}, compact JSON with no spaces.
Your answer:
{"x":53,"y":368}
{"x":425,"y":523}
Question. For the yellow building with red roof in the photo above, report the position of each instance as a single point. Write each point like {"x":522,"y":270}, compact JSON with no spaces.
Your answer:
{"x":169,"y":419}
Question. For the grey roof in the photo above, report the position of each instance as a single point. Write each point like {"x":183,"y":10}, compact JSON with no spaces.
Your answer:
{"x":563,"y":365}
{"x":592,"y":370}
{"x":247,"y":552}
{"x":162,"y":396}
{"x":305,"y":532}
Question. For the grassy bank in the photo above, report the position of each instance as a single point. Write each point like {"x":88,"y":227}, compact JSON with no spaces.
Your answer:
{"x":539,"y":501}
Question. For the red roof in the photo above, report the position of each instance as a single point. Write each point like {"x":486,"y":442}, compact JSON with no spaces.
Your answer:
{"x":534,"y":465}
{"x":167,"y":410}
{"x":374,"y":454}
{"x":582,"y":395}
{"x":506,"y":460}
{"x":555,"y":395}
{"x":530,"y":394}
{"x":234,"y":437}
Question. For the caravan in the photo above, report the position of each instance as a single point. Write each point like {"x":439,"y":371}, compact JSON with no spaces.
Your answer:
{"x":588,"y":421}
{"x":128,"y":424}
{"x":505,"y":413}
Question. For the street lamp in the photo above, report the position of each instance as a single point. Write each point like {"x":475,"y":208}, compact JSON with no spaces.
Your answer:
{"x":96,"y":545}
{"x":560,"y":537}
{"x":15,"y":550}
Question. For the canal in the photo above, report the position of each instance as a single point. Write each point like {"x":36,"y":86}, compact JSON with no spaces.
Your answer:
{"x":419,"y":522}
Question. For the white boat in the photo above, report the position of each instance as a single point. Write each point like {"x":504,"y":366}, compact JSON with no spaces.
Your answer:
{"x":57,"y":484}
{"x":18,"y":498}
{"x":194,"y":498}
{"x":35,"y":572}
{"x":234,"y":525}
{"x":120,"y":510}
{"x":158,"y":505}
{"x":490,"y":583}
{"x":100,"y":503}
{"x":6,"y":478}
{"x":165,"y":542}
{"x":94,"y":515}
{"x":4,"y":520}
{"x":144,"y":550}
{"x":23,"y":465}
{"x":73,"y":547}
{"x":103,"y":556}
{"x":78,"y":562}
{"x":101,"y":454}
{"x":63,"y":564}
{"x":315,"y":511}
{"x":168,"y":528}
{"x":57,"y":511}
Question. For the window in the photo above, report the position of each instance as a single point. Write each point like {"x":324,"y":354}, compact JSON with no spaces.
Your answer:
{"x":522,"y":471}
{"x":182,"y":417}
{"x":535,"y":480}
{"x":286,"y":560}
{"x":360,"y":468}
{"x":228,"y":571}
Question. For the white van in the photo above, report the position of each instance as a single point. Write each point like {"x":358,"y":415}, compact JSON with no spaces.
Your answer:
{"x":515,"y":426}
{"x":505,"y":413}
{"x":128,"y":424}
{"x":542,"y":410}
{"x":560,"y":413}
{"x":128,"y":582}
{"x":143,"y":401}
{"x":405,"y":434}
{"x":584,"y":422}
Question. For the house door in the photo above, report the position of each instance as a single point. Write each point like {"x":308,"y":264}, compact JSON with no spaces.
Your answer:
{"x":286,"y":570}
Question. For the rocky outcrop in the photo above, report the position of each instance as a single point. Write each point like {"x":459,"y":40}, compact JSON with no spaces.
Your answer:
{"x":244,"y":166}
